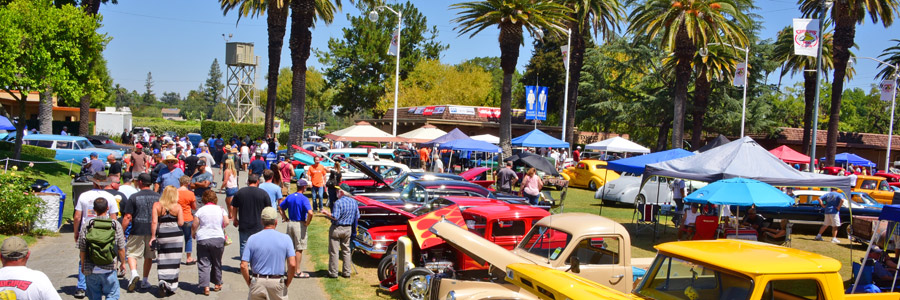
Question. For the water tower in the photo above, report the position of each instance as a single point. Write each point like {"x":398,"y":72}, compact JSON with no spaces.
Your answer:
{"x":240,"y":89}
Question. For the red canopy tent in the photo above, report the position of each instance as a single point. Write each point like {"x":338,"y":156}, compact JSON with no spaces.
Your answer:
{"x":790,"y":156}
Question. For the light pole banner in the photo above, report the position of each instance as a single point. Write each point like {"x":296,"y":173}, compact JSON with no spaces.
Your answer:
{"x":740,"y":74}
{"x":535,"y":102}
{"x":565,"y":55}
{"x":394,"y":46}
{"x":806,"y":37}
{"x":887,"y":89}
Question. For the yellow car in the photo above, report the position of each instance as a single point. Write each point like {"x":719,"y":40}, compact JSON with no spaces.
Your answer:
{"x":589,"y":173}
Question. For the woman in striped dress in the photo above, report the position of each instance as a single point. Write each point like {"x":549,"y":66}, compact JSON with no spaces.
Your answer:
{"x":169,"y":238}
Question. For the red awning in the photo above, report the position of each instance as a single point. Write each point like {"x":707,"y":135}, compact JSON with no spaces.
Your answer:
{"x":790,"y":156}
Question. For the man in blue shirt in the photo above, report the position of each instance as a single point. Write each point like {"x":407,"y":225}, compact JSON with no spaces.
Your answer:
{"x":169,"y":176}
{"x":258,"y":165}
{"x":97,"y":166}
{"x":299,"y":215}
{"x":201,"y":181}
{"x":272,"y":189}
{"x":264,"y":258}
{"x":832,"y":202}
{"x":343,"y":221}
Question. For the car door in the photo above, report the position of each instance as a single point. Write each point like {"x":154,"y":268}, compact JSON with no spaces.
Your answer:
{"x":582,"y":174}
{"x":600,"y":261}
{"x":883,"y":191}
{"x":65,"y":150}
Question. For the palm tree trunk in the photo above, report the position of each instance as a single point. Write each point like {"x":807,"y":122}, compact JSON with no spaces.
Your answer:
{"x":663,"y":134}
{"x":91,"y":7}
{"x":844,"y":32}
{"x":701,"y":101}
{"x":510,"y":39}
{"x":684,"y":54}
{"x":45,"y":112}
{"x":576,"y":62}
{"x":809,"y":95}
{"x":276,"y":23}
{"x":302,"y":12}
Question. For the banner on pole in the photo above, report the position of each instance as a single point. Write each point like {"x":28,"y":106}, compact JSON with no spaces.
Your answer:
{"x":887,"y":89}
{"x":565,"y":56}
{"x":536,"y":102}
{"x":740,"y":74}
{"x":395,"y":38}
{"x":806,"y":37}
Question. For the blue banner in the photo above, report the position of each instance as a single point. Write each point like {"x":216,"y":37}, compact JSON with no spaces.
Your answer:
{"x":536,"y":102}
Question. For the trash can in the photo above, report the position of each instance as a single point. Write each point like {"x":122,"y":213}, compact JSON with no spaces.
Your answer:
{"x":51,"y":212}
{"x":77,"y":189}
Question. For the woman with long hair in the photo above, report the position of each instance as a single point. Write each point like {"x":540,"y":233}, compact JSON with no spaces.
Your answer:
{"x":166,"y":235}
{"x":229,"y":180}
{"x":531,"y":186}
{"x":208,"y":231}
{"x":188,"y":203}
{"x":276,"y":177}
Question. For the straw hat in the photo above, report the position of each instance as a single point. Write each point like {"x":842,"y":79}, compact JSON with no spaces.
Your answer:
{"x":170,"y":158}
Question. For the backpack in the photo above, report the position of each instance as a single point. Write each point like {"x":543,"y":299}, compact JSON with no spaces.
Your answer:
{"x":100,"y":242}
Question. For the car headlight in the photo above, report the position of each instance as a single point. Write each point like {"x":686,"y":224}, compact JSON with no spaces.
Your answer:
{"x":451,"y":295}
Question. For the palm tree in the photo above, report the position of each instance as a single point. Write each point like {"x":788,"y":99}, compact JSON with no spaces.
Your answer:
{"x":602,"y":16}
{"x":890,"y":55}
{"x":276,"y":24}
{"x":806,"y":65}
{"x":512,"y":17}
{"x":846,"y":14}
{"x":718,"y":64}
{"x":685,"y":26}
{"x":92,"y":8}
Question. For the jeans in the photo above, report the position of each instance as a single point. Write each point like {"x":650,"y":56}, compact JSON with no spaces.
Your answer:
{"x":186,"y":228}
{"x":103,"y":285}
{"x":533,"y":200}
{"x":332,"y":197}
{"x":209,"y":261}
{"x":81,"y":285}
{"x":244,"y":236}
{"x":318,"y":197}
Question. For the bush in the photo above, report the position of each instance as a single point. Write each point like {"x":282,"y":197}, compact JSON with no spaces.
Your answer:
{"x":38,"y":152}
{"x":159,"y":125}
{"x":227,"y":129}
{"x":20,"y":209}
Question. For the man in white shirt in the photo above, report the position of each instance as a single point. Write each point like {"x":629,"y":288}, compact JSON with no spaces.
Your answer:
{"x":127,"y":187}
{"x":18,"y":281}
{"x":338,"y":145}
{"x":690,"y":218}
{"x":146,"y":137}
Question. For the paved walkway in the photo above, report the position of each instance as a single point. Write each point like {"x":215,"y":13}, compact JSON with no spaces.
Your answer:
{"x":58,"y":258}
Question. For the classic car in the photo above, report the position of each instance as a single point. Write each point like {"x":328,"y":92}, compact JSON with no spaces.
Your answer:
{"x":389,"y":170}
{"x":875,"y":186}
{"x":357,"y":153}
{"x":103,"y":142}
{"x":69,"y":148}
{"x":893,"y":179}
{"x":625,"y":189}
{"x":807,"y":210}
{"x":478,"y":176}
{"x":502,"y":224}
{"x":589,"y":173}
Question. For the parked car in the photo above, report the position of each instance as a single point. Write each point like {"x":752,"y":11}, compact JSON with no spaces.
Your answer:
{"x":893,"y":179}
{"x":361,"y":153}
{"x":875,"y":186}
{"x":69,"y":148}
{"x":807,"y":210}
{"x":389,"y":170}
{"x":103,"y":142}
{"x":478,"y":176}
{"x":625,"y":189}
{"x":138,"y":131}
{"x":195,"y":139}
{"x":589,"y":173}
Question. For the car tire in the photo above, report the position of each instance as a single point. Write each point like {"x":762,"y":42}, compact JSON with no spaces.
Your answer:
{"x":639,"y":200}
{"x":609,"y":203}
{"x":414,"y":285}
{"x":592,"y":185}
{"x":386,"y":268}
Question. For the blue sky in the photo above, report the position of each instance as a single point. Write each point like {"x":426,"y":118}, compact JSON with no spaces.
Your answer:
{"x":178,"y":40}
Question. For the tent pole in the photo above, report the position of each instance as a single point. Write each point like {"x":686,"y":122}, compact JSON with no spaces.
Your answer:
{"x":865,"y":257}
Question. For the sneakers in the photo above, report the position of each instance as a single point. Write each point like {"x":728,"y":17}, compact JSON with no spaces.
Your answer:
{"x":818,"y":237}
{"x":145,"y":285}
{"x":132,"y":284}
{"x":835,"y":240}
{"x":79,"y":294}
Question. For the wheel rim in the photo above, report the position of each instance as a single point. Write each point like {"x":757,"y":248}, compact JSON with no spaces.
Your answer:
{"x":388,"y":270}
{"x":593,"y":185}
{"x":416,"y":287}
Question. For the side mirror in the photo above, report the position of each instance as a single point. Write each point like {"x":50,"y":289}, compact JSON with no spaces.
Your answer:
{"x":574,"y":264}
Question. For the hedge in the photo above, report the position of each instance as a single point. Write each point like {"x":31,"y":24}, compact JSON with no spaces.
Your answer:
{"x":227,"y":129}
{"x":158,"y":126}
{"x":46,"y":154}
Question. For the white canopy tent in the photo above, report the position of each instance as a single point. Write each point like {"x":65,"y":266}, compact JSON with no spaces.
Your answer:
{"x":487,"y":138}
{"x":362,"y":132}
{"x":423,"y":134}
{"x":617,"y":144}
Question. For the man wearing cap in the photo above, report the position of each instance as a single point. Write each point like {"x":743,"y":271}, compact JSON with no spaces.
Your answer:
{"x":299,"y":215}
{"x":140,"y":161}
{"x":246,"y":206}
{"x":15,"y":277}
{"x":170,"y":175}
{"x":343,"y":221}
{"x":264,"y":259}
{"x":576,"y":154}
{"x":201,"y":181}
{"x":101,"y":279}
{"x":84,"y":213}
{"x":96,"y":165}
{"x":138,"y":211}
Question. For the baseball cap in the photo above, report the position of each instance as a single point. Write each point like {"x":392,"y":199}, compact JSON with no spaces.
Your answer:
{"x":139,"y":146}
{"x":269,"y":213}
{"x":301,"y":183}
{"x":14,"y":248}
{"x":201,"y":162}
{"x":145,"y":178}
{"x":94,"y":154}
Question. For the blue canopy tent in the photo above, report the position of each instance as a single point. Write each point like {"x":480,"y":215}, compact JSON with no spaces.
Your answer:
{"x":740,"y":192}
{"x":468,"y":144}
{"x":850,"y":158}
{"x":635,"y":164}
{"x":454,"y":134}
{"x":5,"y":124}
{"x":537,"y":138}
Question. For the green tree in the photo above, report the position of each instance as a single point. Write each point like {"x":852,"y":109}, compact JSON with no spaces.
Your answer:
{"x":434,"y":83}
{"x":317,"y":101}
{"x":358,"y":67}
{"x":195,"y":105}
{"x":601,"y":16}
{"x":42,"y":47}
{"x":846,"y":14}
{"x":276,"y":25}
{"x":148,"y":97}
{"x":546,"y":68}
{"x":171,"y":99}
{"x":492,"y":66}
{"x":685,"y":26}
{"x":213,"y":87}
{"x":220,"y":112}
{"x":512,"y":17}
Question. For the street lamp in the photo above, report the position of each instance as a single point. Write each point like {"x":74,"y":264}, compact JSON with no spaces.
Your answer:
{"x":887,"y":158}
{"x":373,"y":16}
{"x":704,"y":52}
{"x":826,"y":5}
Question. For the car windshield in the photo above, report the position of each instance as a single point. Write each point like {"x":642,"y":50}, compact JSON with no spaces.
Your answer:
{"x":400,"y":181}
{"x":84,"y":144}
{"x":545,"y":242}
{"x":673,"y":278}
{"x":864,"y":199}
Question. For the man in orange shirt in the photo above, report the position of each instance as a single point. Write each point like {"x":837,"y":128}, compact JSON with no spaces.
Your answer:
{"x":316,"y":174}
{"x":423,"y":156}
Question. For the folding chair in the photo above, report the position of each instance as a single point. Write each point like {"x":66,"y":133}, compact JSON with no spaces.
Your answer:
{"x":705,"y":227}
{"x":556,"y":205}
{"x":647,"y":216}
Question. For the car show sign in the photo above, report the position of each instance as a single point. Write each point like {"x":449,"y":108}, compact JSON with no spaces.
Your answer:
{"x":740,"y":74}
{"x":887,"y":89}
{"x":438,"y":110}
{"x":420,"y":110}
{"x":806,"y":37}
{"x":395,"y":39}
{"x":536,"y":102}
{"x":462,"y":110}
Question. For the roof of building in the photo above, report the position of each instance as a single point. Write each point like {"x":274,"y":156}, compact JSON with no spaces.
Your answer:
{"x":845,"y":139}
{"x":170,"y":111}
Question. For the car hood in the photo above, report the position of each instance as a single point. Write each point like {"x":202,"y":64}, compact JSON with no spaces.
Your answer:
{"x":387,"y":199}
{"x":473,"y":173}
{"x":366,"y":170}
{"x":420,"y":225}
{"x":372,"y":202}
{"x":476,"y":247}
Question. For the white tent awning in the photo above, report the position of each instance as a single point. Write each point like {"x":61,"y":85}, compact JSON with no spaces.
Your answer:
{"x":487,"y":138}
{"x":617,"y":144}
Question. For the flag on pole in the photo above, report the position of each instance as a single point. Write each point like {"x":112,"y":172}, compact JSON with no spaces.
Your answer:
{"x":394,"y":43}
{"x":806,"y":37}
{"x":565,"y":55}
{"x":887,"y":89}
{"x":740,"y":74}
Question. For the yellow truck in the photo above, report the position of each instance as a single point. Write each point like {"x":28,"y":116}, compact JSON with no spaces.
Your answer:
{"x":696,"y":270}
{"x":875,"y":186}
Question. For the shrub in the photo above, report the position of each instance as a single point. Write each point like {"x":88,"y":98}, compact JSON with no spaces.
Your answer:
{"x":227,"y":129}
{"x":159,"y":125}
{"x":38,"y":152}
{"x":20,"y":208}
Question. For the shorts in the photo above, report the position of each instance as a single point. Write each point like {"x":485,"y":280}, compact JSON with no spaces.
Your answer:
{"x":138,"y":246}
{"x":833,"y":220}
{"x":229,"y":192}
{"x":297,"y":232}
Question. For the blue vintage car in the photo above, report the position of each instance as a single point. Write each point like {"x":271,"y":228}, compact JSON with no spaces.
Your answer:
{"x":69,"y":148}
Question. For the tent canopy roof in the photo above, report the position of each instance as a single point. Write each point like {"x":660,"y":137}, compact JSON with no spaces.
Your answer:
{"x":454,"y":134}
{"x":537,"y":138}
{"x":718,"y":141}
{"x":423,"y":134}
{"x":617,"y":144}
{"x":362,"y":132}
{"x":468,"y":144}
{"x":487,"y":138}
{"x":789,"y":155}
{"x":636,"y":164}
{"x":853,"y":159}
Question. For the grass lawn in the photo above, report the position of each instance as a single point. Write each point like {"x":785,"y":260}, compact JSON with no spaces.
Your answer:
{"x":365,"y":284}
